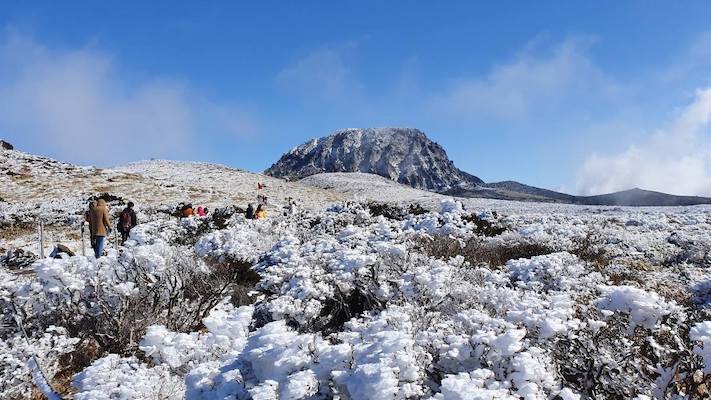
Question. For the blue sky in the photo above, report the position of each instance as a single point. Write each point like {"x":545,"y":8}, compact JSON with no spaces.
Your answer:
{"x":585,"y":97}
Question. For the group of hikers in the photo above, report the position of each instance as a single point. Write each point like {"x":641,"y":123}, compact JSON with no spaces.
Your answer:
{"x":100,"y":224}
{"x":258,"y":213}
{"x":186,"y":210}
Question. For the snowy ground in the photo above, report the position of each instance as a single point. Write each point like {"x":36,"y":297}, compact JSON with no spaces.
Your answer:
{"x":38,"y":189}
{"x":464,"y":299}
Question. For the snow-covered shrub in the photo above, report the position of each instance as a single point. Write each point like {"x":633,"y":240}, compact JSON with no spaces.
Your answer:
{"x":702,"y":332}
{"x":645,"y":309}
{"x":565,"y":303}
{"x":227,"y":330}
{"x":113,"y":377}
{"x":17,"y":366}
{"x":244,"y":241}
{"x":116,"y":299}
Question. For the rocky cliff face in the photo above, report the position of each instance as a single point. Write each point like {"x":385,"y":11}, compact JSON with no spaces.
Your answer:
{"x":404,"y":155}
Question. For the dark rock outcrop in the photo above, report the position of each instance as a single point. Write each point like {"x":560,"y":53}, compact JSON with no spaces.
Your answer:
{"x":6,"y":145}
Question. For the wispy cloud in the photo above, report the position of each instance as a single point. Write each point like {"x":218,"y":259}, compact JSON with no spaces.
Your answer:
{"x":77,"y":105}
{"x":324,"y":73}
{"x":675,"y":160}
{"x":534,"y":81}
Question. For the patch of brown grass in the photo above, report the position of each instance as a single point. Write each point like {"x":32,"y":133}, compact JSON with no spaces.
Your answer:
{"x":16,"y":230}
{"x":478,"y":252}
{"x":86,"y":353}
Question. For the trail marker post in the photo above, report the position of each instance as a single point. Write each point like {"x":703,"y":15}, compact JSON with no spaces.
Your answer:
{"x":41,"y":239}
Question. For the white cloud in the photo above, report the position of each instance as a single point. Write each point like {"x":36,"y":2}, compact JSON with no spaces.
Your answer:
{"x":323,"y":73}
{"x":77,"y":104}
{"x":676,"y":160}
{"x":530,"y":83}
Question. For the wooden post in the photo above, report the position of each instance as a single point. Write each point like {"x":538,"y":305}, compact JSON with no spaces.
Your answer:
{"x":41,"y":234}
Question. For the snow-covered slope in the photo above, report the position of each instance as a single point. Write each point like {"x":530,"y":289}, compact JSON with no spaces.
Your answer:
{"x":35,"y":188}
{"x":460,"y":299}
{"x":404,"y":155}
{"x":29,"y":180}
{"x":371,"y":187}
{"x":219,"y":184}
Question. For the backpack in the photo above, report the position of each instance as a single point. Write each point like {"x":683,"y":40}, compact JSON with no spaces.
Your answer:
{"x":126,"y":220}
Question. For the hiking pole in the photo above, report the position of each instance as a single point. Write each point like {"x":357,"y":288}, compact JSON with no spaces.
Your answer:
{"x":81,"y":230}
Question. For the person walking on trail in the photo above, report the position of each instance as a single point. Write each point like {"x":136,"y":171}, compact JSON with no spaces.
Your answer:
{"x":99,"y":226}
{"x":127,"y":220}
{"x":250,"y":211}
{"x":87,"y":219}
{"x":260,"y":213}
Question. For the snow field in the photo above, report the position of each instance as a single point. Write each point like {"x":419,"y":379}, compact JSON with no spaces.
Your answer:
{"x":349,"y":305}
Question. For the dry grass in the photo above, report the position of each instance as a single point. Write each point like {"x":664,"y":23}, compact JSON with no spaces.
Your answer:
{"x":85,"y":353}
{"x":477,"y":252}
{"x":15,"y":231}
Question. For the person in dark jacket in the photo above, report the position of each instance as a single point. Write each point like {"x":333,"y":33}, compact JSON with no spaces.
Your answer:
{"x":127,"y":220}
{"x":87,"y":218}
{"x":250,"y":211}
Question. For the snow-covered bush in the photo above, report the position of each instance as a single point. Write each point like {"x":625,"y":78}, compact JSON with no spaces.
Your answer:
{"x":19,"y":360}
{"x":357,"y":301}
{"x":114,"y":377}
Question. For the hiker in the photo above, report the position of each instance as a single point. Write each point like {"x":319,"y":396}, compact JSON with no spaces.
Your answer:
{"x":290,"y":207}
{"x":250,"y":211}
{"x":187,"y":211}
{"x":260,"y":213}
{"x":127,"y":220}
{"x":99,"y":226}
{"x":87,"y":219}
{"x":178,"y":212}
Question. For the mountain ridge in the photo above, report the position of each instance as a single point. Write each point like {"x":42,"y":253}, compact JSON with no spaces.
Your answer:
{"x":408,"y":156}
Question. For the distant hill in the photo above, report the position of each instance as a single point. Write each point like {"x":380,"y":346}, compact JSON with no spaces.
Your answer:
{"x":640,"y":197}
{"x":408,"y":156}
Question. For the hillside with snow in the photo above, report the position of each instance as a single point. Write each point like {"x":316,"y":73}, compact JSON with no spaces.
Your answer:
{"x":362,"y":288}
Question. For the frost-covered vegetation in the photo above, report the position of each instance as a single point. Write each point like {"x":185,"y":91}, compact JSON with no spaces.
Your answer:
{"x":373,"y":301}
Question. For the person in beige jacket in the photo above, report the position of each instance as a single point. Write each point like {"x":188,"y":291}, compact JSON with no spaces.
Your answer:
{"x":99,"y":226}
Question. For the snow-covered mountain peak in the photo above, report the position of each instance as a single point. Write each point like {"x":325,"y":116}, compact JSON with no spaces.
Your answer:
{"x":405,"y":155}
